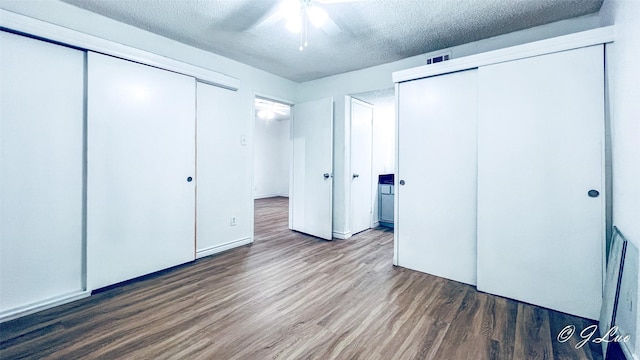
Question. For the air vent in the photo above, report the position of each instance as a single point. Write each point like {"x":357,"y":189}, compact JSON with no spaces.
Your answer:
{"x":439,"y":58}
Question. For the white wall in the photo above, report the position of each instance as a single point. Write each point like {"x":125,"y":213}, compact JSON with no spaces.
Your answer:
{"x":220,"y":178}
{"x":379,"y":77}
{"x":251,"y":79}
{"x":623,"y":79}
{"x":272,"y":148}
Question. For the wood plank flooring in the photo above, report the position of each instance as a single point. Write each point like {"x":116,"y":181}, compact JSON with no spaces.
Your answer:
{"x":291,"y":296}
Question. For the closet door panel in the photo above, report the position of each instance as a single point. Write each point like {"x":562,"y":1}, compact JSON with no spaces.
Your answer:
{"x":540,"y":233}
{"x":41,"y":171}
{"x":141,"y":152}
{"x":436,"y":229}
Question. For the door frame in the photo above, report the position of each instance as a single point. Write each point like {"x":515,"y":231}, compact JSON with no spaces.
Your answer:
{"x":252,"y":133}
{"x":396,"y":218}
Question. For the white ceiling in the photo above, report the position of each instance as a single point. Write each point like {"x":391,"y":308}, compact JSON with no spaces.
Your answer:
{"x":373,"y":31}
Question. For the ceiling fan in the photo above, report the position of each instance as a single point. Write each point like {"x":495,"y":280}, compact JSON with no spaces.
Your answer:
{"x":298,"y":14}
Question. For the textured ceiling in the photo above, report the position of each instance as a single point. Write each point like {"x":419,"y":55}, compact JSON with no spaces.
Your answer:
{"x":382,"y":98}
{"x":373,"y":31}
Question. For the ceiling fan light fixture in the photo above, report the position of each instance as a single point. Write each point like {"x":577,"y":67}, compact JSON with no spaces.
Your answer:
{"x":294,"y":24}
{"x":317,"y":15}
{"x":290,"y":8}
{"x":298,"y":14}
{"x":266,"y":114}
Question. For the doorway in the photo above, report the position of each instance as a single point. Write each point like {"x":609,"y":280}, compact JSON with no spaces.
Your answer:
{"x":294,"y":160}
{"x":271,"y":172}
{"x":272,"y":148}
{"x":382,"y":160}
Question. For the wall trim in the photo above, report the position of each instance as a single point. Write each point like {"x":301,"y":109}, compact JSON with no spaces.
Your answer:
{"x":42,"y":305}
{"x":396,"y":198}
{"x":47,"y":31}
{"x":561,"y":43}
{"x":342,"y":235}
{"x":222,"y":247}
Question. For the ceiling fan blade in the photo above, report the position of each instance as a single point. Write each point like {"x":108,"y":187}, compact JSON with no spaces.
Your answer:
{"x":270,"y":20}
{"x":330,"y":27}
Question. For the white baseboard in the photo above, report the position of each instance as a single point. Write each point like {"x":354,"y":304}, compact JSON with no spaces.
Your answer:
{"x":265,"y":196}
{"x":342,"y":235}
{"x":222,"y":247}
{"x":42,"y":305}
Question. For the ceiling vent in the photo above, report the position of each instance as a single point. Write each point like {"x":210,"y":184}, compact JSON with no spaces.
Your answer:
{"x":439,"y":58}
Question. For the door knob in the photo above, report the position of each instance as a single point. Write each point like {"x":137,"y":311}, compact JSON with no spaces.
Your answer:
{"x":593,"y":193}
{"x":189,"y":179}
{"x":356,"y":175}
{"x":326,"y":175}
{"x":401,"y":182}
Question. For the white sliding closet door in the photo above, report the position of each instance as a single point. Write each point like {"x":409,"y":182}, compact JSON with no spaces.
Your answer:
{"x":141,"y":169}
{"x":540,"y":222}
{"x":437,"y":147}
{"x":41,"y":172}
{"x":224,"y":194}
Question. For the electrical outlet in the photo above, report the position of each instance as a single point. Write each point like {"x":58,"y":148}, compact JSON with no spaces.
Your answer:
{"x":233,"y":221}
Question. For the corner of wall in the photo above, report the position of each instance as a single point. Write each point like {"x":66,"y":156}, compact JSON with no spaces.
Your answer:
{"x":623,"y":75}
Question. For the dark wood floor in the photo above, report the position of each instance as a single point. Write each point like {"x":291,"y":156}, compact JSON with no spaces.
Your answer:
{"x":290,"y":296}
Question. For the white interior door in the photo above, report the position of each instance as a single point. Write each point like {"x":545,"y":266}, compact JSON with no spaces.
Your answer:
{"x":540,"y":150}
{"x":41,"y":172}
{"x":361,"y":177}
{"x":436,"y":179}
{"x":141,"y":165}
{"x":311,"y":195}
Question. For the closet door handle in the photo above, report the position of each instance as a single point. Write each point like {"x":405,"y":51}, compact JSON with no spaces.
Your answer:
{"x":356,"y":175}
{"x":401,"y":182}
{"x":593,"y":193}
{"x":189,"y":179}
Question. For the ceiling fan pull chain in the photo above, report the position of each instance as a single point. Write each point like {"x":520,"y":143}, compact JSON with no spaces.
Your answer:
{"x":306,"y":23}
{"x":304,"y":16}
{"x":301,"y":47}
